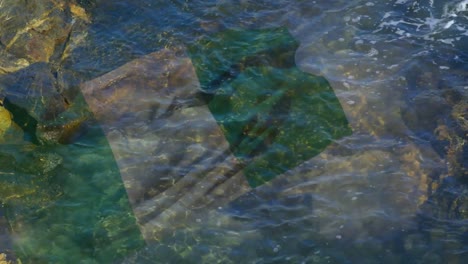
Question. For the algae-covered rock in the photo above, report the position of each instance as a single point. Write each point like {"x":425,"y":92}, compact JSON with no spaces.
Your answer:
{"x":31,"y":81}
{"x":5,"y":121}
{"x":45,"y":115}
{"x":63,"y":202}
{"x":3,"y":259}
{"x":458,"y":150}
{"x":444,"y":124}
{"x":69,"y":194}
{"x":38,"y":31}
{"x":9,"y":63}
{"x":443,"y":218}
{"x":53,"y":192}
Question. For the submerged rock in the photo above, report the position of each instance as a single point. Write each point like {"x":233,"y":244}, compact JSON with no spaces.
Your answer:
{"x":32,"y":89}
{"x":457,"y":152}
{"x":184,"y":148}
{"x":5,"y":121}
{"x":437,"y":112}
{"x":9,"y":63}
{"x":42,"y":33}
{"x":70,"y":194}
{"x":37,"y":106}
{"x":3,"y":259}
{"x":443,"y":218}
{"x":168,"y":146}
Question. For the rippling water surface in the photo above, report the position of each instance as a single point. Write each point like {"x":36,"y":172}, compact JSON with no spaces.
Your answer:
{"x":393,"y":191}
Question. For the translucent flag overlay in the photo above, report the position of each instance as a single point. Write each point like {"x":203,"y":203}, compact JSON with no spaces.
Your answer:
{"x":274,"y":115}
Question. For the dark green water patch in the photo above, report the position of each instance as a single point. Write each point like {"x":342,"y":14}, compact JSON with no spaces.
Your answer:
{"x":67,"y":203}
{"x":273,"y":115}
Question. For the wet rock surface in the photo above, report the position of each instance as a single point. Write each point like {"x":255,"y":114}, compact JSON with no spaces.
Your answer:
{"x":32,"y":84}
{"x":33,"y":97}
{"x":5,"y":121}
{"x":42,"y":112}
{"x":44,"y":34}
{"x":437,"y":112}
{"x":30,"y":32}
{"x":169,"y":148}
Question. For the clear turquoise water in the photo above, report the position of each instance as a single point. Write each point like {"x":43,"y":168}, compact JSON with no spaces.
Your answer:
{"x":392,"y":192}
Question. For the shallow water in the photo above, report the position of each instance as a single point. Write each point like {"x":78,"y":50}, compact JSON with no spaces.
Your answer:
{"x":394,"y":191}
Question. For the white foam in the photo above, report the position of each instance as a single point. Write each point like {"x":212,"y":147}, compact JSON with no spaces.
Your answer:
{"x":432,"y":27}
{"x":449,"y":24}
{"x":401,"y":1}
{"x":448,"y":41}
{"x":453,"y":10}
{"x":432,"y":22}
{"x":462,"y":6}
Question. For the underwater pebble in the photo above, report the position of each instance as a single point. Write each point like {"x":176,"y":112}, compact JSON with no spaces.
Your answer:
{"x":277,"y":248}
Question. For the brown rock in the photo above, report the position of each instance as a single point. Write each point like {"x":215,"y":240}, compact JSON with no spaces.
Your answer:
{"x":43,"y":29}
